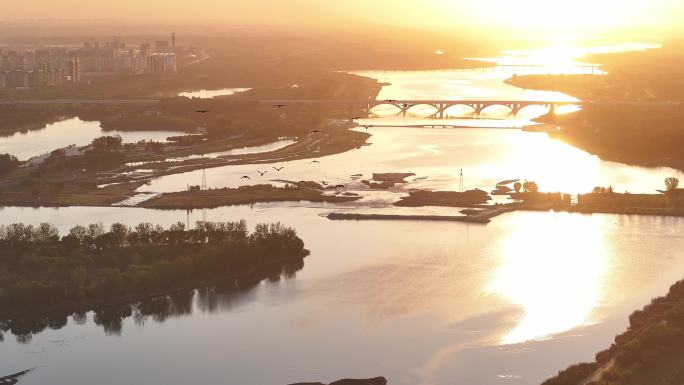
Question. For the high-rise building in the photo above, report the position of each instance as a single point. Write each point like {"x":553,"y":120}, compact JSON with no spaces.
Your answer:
{"x":162,"y":63}
{"x":74,"y":69}
{"x":173,"y":41}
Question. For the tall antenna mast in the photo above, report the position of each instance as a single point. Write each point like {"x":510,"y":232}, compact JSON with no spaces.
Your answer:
{"x":460,"y":182}
{"x":204,"y":179}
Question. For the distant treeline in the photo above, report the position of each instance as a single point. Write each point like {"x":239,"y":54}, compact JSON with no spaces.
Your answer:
{"x":92,"y":265}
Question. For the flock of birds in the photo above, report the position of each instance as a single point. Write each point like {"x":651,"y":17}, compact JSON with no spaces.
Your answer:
{"x":278,"y":169}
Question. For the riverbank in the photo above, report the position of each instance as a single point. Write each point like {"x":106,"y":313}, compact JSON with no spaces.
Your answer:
{"x":242,"y":196}
{"x":623,"y":124}
{"x":369,"y":381}
{"x":65,"y":187}
{"x":651,"y":351}
{"x":388,"y":217}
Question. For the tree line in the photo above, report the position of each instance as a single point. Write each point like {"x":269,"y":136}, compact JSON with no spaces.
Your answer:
{"x":92,"y":264}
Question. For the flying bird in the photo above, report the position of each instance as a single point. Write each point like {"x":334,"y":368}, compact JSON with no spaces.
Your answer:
{"x":339,"y":186}
{"x":314,"y":131}
{"x":202,"y":111}
{"x":315,"y":161}
{"x":278,"y":168}
{"x":357,"y":118}
{"x":366,"y":127}
{"x":246,"y":177}
{"x":279,"y":105}
{"x":262,"y":173}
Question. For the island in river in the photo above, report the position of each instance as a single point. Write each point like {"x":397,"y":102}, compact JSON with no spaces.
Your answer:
{"x":310,"y":192}
{"x":91,"y":267}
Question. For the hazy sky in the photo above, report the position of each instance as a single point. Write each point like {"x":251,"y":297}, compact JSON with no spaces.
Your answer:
{"x":572,"y":17}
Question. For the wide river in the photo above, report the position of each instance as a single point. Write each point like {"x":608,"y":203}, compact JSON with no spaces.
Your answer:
{"x":426,"y":303}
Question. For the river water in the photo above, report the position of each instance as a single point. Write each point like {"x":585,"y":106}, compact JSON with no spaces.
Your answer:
{"x":25,"y":145}
{"x":423,"y":303}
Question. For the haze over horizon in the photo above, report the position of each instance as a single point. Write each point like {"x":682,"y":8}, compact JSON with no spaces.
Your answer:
{"x":525,"y":18}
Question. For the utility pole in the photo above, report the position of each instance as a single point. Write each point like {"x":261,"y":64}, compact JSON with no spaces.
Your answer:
{"x":204,"y":179}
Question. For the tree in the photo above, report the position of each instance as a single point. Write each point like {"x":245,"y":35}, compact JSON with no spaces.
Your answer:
{"x":107,"y":143}
{"x":8,"y":163}
{"x":530,"y":187}
{"x":518,"y":187}
{"x":671,"y":184}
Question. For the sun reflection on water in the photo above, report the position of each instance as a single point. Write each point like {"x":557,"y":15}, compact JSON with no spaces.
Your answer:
{"x":553,"y":270}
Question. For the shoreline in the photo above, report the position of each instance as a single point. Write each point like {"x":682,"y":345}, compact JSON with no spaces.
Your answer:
{"x":74,"y":306}
{"x":389,"y":217}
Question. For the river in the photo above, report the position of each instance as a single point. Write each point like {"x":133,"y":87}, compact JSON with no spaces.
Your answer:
{"x":425,"y":303}
{"x":26,"y":145}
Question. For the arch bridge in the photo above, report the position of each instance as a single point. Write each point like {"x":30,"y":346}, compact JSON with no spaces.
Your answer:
{"x":478,"y":106}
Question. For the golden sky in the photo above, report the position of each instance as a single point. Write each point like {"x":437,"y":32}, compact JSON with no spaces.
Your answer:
{"x":576,"y":17}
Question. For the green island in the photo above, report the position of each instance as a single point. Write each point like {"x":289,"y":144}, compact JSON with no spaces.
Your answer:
{"x":651,"y":351}
{"x":91,"y":267}
{"x":307,"y":191}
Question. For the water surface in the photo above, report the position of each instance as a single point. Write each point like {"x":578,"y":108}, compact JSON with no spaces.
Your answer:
{"x":25,"y":145}
{"x":418,"y":302}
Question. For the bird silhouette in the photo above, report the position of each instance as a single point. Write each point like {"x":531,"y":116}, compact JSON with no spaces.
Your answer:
{"x":262,"y":173}
{"x":315,"y":131}
{"x":357,"y":118}
{"x":366,"y":127}
{"x":315,"y":161}
{"x":202,"y":111}
{"x":278,"y":168}
{"x":279,"y":105}
{"x":339,"y":186}
{"x":246,"y":177}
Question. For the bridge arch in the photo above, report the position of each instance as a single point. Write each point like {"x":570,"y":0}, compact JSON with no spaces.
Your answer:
{"x":460,"y":109}
{"x":389,"y":108}
{"x":433,"y":107}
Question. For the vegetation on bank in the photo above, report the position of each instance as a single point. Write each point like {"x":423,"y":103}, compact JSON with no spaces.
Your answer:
{"x":243,"y":195}
{"x":444,"y":198}
{"x":648,"y":135}
{"x":651,"y":351}
{"x":91,"y":265}
{"x":8,"y":163}
{"x":639,"y":132}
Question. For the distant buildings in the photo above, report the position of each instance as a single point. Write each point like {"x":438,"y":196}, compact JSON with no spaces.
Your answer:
{"x":51,"y":67}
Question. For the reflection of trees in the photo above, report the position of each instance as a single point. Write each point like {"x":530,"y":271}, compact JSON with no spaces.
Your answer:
{"x":222,"y":296}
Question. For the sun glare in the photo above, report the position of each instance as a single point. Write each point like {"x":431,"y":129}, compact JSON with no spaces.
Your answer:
{"x":554,"y":279}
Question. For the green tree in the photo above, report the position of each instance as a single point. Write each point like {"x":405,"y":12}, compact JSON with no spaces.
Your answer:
{"x":671,"y":184}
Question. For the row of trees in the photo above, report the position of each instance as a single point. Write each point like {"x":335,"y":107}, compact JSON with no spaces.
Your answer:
{"x":38,"y":267}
